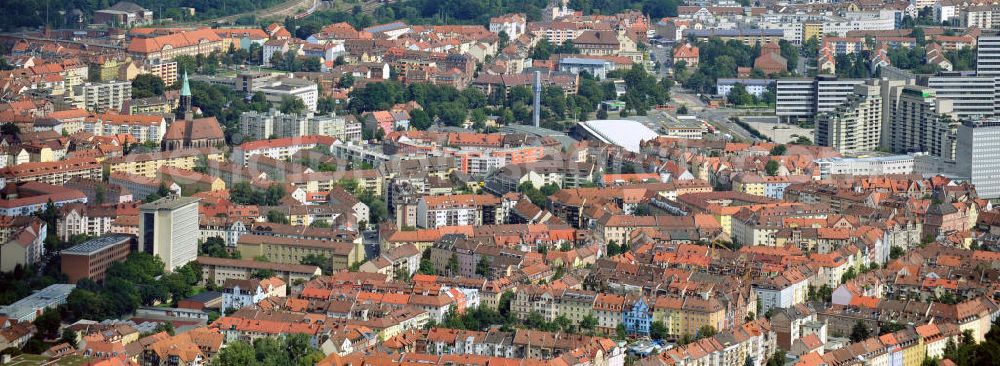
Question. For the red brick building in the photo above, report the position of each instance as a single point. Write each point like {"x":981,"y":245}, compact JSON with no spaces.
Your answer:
{"x":770,"y":60}
{"x":91,"y":259}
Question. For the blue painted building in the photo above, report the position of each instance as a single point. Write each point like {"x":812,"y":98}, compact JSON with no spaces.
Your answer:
{"x":638,"y":317}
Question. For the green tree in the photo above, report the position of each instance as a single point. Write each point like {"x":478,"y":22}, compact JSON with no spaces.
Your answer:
{"x":825,"y":293}
{"x":859,"y":331}
{"x":48,"y":323}
{"x":147,"y":85}
{"x":137,"y":281}
{"x":550,"y":189}
{"x":771,"y":167}
{"x":505,"y":302}
{"x":376,"y":96}
{"x":216,"y":247}
{"x":739,"y":95}
{"x":261,"y":274}
{"x":321,"y":224}
{"x":277,"y":217}
{"x":427,"y":267}
{"x":312,"y":64}
{"x":291,"y":104}
{"x":896,"y":252}
{"x":453,"y":265}
{"x":777,"y":359}
{"x":706,"y":331}
{"x":850,"y":274}
{"x":483,"y":267}
{"x":778,"y":150}
{"x":542,"y":50}
{"x":790,"y":53}
{"x":326,"y":105}
{"x":453,"y":114}
{"x":613,"y":248}
{"x":620,"y":332}
{"x":419,"y":119}
{"x":346,"y":81}
{"x":602,"y":113}
{"x":658,"y":330}
{"x":318,"y":260}
{"x":478,"y":118}
{"x":237,"y":353}
{"x":962,"y":59}
{"x":69,"y":336}
{"x":588,"y":322}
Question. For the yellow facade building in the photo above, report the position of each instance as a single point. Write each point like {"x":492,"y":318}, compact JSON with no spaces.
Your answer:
{"x":149,"y":164}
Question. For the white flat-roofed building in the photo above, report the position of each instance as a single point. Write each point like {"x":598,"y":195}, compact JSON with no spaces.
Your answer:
{"x":802,"y":98}
{"x":168,"y":227}
{"x":977,"y":155}
{"x":30,"y":307}
{"x":988,"y":56}
{"x":297,"y":88}
{"x":795,"y":98}
{"x":972,"y":96}
{"x":594,"y":66}
{"x":875,"y":165}
{"x":831,"y":92}
{"x":620,"y":132}
{"x":755,"y":87}
{"x":686,"y":127}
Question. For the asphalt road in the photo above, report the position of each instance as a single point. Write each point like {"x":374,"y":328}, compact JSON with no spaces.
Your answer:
{"x":371,"y":243}
{"x":717,"y":117}
{"x":663,"y":56}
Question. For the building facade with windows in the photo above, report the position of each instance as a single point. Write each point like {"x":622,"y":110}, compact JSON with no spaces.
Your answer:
{"x":168,"y":228}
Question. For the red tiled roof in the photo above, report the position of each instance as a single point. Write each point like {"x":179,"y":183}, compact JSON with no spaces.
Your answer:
{"x":175,"y":40}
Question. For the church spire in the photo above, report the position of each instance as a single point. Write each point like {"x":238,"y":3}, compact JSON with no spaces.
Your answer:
{"x":185,"y":87}
{"x":184,"y":109}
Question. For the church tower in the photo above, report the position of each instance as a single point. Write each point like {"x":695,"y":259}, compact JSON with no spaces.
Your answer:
{"x":184,"y":109}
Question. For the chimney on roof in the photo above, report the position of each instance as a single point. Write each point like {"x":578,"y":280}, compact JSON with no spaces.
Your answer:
{"x":537,"y":111}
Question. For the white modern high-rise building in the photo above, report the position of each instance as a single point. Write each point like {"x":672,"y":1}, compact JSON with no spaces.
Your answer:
{"x":801,"y":98}
{"x":988,"y":56}
{"x":795,"y":98}
{"x":977,"y":155}
{"x":831,"y":92}
{"x":168,"y":228}
{"x":854,"y":126}
{"x":972,"y":96}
